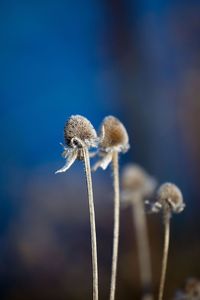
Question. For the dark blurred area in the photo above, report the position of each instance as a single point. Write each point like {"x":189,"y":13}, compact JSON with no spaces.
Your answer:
{"x":137,"y":60}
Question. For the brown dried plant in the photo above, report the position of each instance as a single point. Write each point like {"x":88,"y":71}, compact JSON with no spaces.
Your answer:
{"x":137,"y":186}
{"x":113,"y":140}
{"x":170,"y":200}
{"x":80,"y":136}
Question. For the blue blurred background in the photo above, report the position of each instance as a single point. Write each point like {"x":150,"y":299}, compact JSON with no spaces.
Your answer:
{"x":137,"y":60}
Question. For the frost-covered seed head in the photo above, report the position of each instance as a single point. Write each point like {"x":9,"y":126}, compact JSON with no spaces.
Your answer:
{"x":80,"y":128}
{"x":113,"y":135}
{"x":170,"y":196}
{"x":135,"y":179}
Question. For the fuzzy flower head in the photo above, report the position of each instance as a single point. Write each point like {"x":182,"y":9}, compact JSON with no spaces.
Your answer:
{"x":191,"y":290}
{"x":78,"y":134}
{"x":113,"y":137}
{"x":169,"y":197}
{"x":79,"y":130}
{"x":136,"y":182}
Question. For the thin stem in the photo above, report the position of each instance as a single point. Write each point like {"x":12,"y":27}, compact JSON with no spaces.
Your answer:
{"x":116,"y":224}
{"x":165,"y":253}
{"x":143,"y":246}
{"x":92,"y":223}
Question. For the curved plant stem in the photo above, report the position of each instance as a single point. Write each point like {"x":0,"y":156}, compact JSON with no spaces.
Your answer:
{"x":143,"y":246}
{"x":116,"y":224}
{"x":165,"y":253}
{"x":92,"y":223}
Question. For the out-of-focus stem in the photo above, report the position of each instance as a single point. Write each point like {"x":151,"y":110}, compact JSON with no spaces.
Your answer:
{"x":140,"y":224}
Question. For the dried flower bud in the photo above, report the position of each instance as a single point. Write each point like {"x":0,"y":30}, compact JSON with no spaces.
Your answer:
{"x":169,"y":196}
{"x":113,"y":135}
{"x":135,"y":179}
{"x":78,"y":128}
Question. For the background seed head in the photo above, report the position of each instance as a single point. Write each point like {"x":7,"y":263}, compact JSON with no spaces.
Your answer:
{"x":113,"y":134}
{"x":136,"y":179}
{"x":192,"y":288}
{"x":79,"y":127}
{"x":170,"y":196}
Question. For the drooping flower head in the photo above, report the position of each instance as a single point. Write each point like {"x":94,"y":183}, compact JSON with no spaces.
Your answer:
{"x":78,"y":133}
{"x":136,"y":182}
{"x":113,"y":137}
{"x":169,"y":197}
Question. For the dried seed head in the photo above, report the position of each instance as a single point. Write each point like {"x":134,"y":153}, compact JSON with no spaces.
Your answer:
{"x":135,"y":179}
{"x":169,"y":196}
{"x":113,"y":135}
{"x":78,"y":128}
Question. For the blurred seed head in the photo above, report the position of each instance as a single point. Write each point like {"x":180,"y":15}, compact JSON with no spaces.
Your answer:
{"x":169,"y":196}
{"x":191,"y":290}
{"x":113,"y":135}
{"x":78,"y":128}
{"x":135,"y":179}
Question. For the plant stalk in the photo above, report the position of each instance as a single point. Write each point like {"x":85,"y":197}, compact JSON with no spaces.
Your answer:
{"x":92,"y":223}
{"x":143,"y":246}
{"x":115,"y":164}
{"x":165,"y":253}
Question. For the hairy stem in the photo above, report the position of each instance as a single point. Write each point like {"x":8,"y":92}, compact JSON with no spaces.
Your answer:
{"x":116,"y":224}
{"x":165,"y":253}
{"x":92,"y":223}
{"x":143,"y":247}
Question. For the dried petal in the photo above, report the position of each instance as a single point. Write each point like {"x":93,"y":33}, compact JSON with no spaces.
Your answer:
{"x":104,"y":162}
{"x":70,"y":160}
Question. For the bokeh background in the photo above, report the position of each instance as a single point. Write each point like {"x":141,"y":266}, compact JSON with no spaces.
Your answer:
{"x":136,"y":59}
